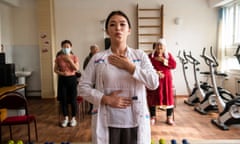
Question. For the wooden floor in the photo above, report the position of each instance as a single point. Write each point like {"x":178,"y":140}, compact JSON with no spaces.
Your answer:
{"x":189,"y":125}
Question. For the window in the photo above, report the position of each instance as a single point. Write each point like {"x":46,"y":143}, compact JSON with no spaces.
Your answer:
{"x":229,"y":37}
{"x":231,"y":24}
{"x":237,"y":24}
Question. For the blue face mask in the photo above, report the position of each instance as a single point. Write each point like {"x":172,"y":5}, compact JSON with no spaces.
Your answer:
{"x":66,"y":50}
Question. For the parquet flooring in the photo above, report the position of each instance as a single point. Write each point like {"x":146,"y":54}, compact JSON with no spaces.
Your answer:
{"x":189,"y":125}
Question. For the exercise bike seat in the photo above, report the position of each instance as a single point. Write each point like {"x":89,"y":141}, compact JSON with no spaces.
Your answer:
{"x":237,"y":101}
{"x":205,"y":73}
{"x":220,"y":74}
{"x":226,"y":95}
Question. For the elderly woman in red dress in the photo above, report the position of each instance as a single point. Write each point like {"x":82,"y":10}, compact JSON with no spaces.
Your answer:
{"x":163,"y":62}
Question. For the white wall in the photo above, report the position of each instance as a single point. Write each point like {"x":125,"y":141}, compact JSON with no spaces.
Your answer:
{"x":26,"y":51}
{"x":19,"y":36}
{"x":6,"y":30}
{"x":79,"y":21}
{"x":198,"y":30}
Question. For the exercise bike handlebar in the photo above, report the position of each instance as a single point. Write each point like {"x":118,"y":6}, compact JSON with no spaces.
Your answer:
{"x":208,"y":60}
{"x":237,"y":54}
{"x":237,"y":51}
{"x":214,"y":58}
{"x":191,"y":59}
{"x":184,"y":54}
{"x":183,"y":60}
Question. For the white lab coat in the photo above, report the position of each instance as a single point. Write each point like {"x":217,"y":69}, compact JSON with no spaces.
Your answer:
{"x":144,"y":76}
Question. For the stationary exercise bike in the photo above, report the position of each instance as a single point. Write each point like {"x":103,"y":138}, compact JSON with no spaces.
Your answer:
{"x":184,"y":67}
{"x":193,"y":98}
{"x":200,"y":90}
{"x":229,"y":109}
{"x":237,"y":55}
{"x":209,"y":103}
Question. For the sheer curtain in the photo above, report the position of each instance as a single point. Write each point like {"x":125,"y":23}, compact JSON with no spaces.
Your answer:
{"x":221,"y":44}
{"x":226,"y":38}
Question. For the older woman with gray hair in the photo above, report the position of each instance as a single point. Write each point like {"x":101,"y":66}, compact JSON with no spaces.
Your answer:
{"x":163,"y":63}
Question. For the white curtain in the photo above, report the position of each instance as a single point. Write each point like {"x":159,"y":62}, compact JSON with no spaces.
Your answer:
{"x":221,"y":44}
{"x":225,"y":38}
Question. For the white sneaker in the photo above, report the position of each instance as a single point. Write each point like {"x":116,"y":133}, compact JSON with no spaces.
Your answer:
{"x":64,"y":123}
{"x":73,"y":123}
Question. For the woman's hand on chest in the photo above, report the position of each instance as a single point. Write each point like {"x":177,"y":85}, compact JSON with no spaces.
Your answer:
{"x":122,"y":62}
{"x":67,"y":58}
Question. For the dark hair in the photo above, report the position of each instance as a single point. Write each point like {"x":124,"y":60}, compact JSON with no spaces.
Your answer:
{"x":66,"y":42}
{"x":117,"y":13}
{"x":62,"y":43}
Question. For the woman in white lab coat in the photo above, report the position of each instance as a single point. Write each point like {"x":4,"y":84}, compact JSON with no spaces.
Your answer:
{"x":120,"y":75}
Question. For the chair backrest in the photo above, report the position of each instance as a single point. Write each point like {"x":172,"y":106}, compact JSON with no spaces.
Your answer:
{"x":13,"y":100}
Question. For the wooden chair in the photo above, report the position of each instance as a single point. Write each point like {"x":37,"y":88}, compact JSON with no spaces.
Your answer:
{"x":14,"y":101}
